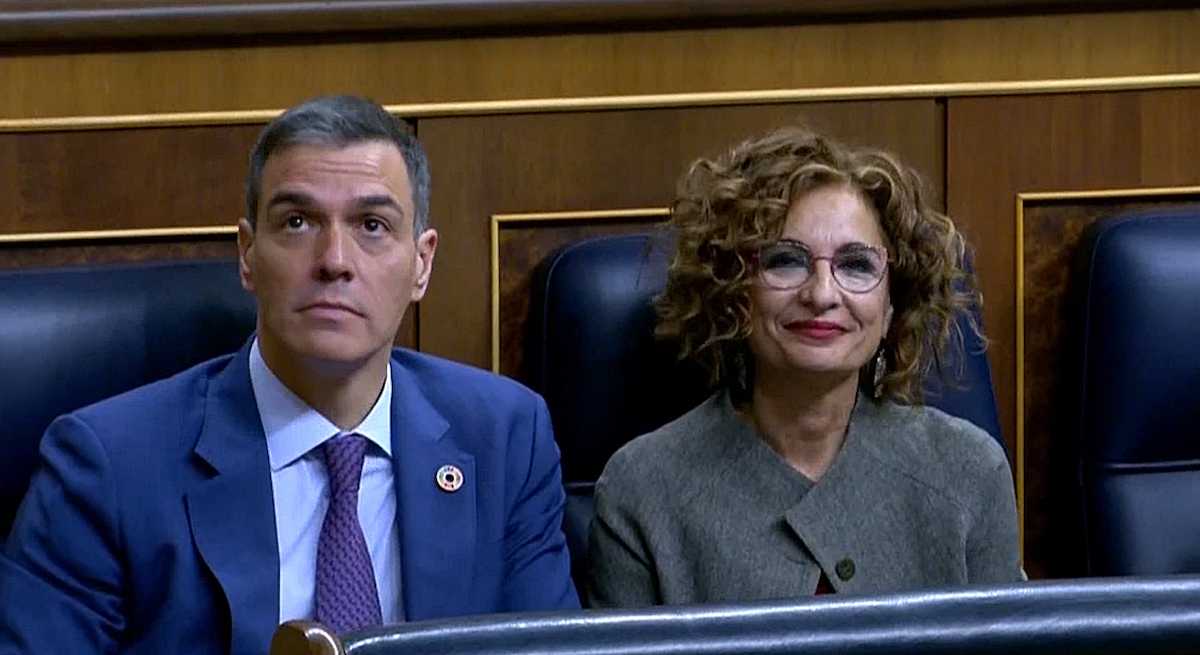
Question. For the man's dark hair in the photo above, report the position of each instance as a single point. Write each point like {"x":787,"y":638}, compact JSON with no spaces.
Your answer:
{"x":336,"y":122}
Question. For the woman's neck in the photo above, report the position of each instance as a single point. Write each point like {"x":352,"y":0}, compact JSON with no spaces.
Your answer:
{"x":804,"y":419}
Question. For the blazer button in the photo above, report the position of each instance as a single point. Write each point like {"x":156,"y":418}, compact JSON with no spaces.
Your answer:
{"x":844,"y":569}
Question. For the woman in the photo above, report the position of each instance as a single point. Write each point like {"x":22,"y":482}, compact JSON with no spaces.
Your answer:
{"x":817,"y":286}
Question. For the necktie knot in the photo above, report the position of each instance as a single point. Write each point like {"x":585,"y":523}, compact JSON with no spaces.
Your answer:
{"x":344,"y":455}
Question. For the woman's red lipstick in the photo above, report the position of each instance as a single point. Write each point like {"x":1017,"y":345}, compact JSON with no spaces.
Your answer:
{"x":816,"y":330}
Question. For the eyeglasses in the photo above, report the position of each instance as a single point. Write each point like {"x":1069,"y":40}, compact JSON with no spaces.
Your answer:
{"x":856,"y":267}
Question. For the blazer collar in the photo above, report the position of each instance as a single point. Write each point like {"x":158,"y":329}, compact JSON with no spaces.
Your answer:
{"x":242,"y":554}
{"x":414,"y":418}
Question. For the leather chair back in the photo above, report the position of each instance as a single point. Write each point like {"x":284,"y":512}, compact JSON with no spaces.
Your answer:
{"x":1139,"y":392}
{"x":73,"y":336}
{"x":606,"y":379}
{"x":1142,"y":616}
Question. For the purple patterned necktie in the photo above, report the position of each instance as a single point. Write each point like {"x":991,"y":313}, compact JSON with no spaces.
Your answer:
{"x":346,"y":595}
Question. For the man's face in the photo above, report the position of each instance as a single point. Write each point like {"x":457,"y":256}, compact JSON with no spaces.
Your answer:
{"x":333,"y":260}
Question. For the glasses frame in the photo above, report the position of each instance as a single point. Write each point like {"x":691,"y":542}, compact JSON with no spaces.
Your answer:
{"x":880,"y":251}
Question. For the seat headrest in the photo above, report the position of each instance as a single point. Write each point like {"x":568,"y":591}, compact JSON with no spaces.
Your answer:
{"x":593,"y":354}
{"x":1140,"y":338}
{"x":74,"y":336}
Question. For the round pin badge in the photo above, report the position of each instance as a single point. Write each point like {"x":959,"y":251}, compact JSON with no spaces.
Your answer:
{"x":449,"y":478}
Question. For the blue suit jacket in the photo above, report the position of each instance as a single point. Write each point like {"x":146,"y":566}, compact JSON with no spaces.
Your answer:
{"x":150,"y":527}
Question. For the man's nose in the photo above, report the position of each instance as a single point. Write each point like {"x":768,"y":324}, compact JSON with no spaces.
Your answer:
{"x":333,"y":253}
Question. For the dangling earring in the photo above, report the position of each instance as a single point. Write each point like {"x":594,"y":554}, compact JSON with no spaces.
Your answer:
{"x":880,"y":371}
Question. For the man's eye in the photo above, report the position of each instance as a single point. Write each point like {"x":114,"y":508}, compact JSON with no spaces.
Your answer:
{"x":374,"y":225}
{"x":294,"y":221}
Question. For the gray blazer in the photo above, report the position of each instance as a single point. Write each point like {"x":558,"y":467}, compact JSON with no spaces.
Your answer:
{"x":702,"y":510}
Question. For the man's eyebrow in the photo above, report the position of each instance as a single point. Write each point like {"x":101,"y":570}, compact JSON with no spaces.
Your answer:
{"x":382,"y":200}
{"x":290,"y":198}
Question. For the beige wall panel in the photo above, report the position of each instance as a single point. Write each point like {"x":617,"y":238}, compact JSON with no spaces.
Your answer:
{"x":438,"y":70}
{"x":598,"y":161}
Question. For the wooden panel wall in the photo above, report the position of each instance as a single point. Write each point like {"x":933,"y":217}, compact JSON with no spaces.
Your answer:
{"x":272,"y":74}
{"x":123,"y":179}
{"x":600,"y":161}
{"x":998,"y":148}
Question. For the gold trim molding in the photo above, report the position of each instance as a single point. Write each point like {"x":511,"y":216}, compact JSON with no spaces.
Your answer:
{"x":1022,"y":198}
{"x":48,"y":238}
{"x":648,"y":101}
{"x":514,"y":220}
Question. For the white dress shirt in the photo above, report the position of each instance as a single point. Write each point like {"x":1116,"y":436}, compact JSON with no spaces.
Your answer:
{"x":300,"y":485}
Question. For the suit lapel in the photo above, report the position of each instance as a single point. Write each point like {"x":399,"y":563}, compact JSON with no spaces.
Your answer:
{"x":437,"y":528}
{"x":232,"y":514}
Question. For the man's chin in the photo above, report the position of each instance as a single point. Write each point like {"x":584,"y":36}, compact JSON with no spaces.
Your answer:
{"x":333,"y":354}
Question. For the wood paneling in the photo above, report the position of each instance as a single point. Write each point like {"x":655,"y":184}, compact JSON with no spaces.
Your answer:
{"x":66,"y":21}
{"x":392,"y":71}
{"x":601,"y":160}
{"x":123,"y":179}
{"x":999,"y":147}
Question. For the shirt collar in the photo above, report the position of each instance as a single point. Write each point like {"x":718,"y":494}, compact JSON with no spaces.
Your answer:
{"x":293,"y":428}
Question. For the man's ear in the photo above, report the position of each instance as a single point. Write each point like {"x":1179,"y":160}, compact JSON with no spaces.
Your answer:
{"x":245,"y":244}
{"x":426,"y":248}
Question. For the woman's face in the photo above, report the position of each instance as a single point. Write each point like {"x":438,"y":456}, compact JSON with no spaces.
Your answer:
{"x":819,"y":327}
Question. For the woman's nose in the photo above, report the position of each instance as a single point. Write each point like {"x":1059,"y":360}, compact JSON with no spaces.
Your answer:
{"x":821,"y":289}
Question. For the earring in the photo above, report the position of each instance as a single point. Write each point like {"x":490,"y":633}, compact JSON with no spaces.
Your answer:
{"x":740,"y":373}
{"x":880,"y":371}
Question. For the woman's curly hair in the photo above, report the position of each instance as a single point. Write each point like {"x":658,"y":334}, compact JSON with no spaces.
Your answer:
{"x":726,"y":210}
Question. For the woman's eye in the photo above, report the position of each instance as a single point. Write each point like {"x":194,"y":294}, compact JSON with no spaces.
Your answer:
{"x":857,"y":263}
{"x":786,"y":259}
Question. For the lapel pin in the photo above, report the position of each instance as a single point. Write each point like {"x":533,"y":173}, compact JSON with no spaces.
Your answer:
{"x":449,"y":478}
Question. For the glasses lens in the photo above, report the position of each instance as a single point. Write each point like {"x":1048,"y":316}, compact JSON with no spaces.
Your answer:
{"x":857,"y":268}
{"x":784,"y":265}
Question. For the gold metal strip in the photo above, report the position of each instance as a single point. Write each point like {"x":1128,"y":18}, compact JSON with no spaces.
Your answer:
{"x":35,"y":238}
{"x":644,"y":101}
{"x":1020,"y":285}
{"x":512,"y":220}
{"x":1032,"y":196}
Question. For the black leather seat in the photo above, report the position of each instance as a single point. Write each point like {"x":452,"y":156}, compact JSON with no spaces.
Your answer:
{"x":1144,"y":616}
{"x":73,"y":336}
{"x":1139,"y":392}
{"x":606,"y":379}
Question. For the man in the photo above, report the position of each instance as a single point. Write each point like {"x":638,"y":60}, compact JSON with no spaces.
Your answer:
{"x":316,"y":473}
